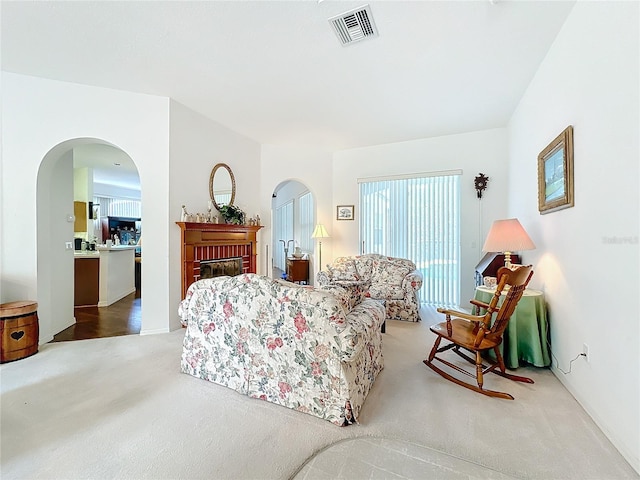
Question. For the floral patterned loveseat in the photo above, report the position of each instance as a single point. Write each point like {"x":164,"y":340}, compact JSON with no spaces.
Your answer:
{"x":394,"y":280}
{"x":314,"y":350}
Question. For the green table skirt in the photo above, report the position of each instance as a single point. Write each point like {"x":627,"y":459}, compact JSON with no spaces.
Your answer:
{"x":525,"y":339}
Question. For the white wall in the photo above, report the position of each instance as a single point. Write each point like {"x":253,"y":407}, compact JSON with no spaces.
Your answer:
{"x":104,"y":190}
{"x":590,"y":80}
{"x":37,"y":116}
{"x":312,"y":167}
{"x":54,"y":200}
{"x":473,"y":153}
{"x":83,"y":184}
{"x":197,"y":144}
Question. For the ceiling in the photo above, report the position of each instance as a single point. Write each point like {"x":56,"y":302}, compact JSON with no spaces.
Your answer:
{"x":111,"y":166}
{"x":276,"y":72}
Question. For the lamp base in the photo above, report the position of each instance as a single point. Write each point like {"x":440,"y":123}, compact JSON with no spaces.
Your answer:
{"x":507,"y":260}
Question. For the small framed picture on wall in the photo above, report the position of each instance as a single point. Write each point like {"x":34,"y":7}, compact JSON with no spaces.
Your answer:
{"x":344,"y":212}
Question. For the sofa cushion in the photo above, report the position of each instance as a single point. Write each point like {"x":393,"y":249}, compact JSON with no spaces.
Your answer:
{"x":357,"y":290}
{"x":340,"y":293}
{"x":344,"y":269}
{"x":387,"y":291}
{"x":364,"y":264}
{"x":391,"y":271}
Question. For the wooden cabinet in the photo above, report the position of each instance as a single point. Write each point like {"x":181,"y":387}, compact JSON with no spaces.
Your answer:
{"x":86,"y":281}
{"x":489,"y":265}
{"x":297,"y":270}
{"x":80,"y":212}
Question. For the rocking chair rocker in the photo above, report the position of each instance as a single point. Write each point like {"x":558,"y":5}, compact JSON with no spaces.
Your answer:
{"x":477,"y":334}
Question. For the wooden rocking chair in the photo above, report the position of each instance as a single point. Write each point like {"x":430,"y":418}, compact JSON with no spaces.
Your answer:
{"x":476,"y":334}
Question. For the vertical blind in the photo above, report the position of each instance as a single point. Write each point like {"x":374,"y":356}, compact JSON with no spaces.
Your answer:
{"x":305,"y":222}
{"x":283,"y":230}
{"x":113,"y":207}
{"x":223,"y":198}
{"x":117,"y":207}
{"x":416,"y":218}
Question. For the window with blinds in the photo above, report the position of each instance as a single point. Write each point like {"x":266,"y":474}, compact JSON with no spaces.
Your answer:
{"x":223,"y":198}
{"x":305,"y":222}
{"x":417,"y":218}
{"x":282,"y":230}
{"x":116,"y":207}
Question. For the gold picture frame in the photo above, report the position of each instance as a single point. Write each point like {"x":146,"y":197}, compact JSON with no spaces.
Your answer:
{"x":344,"y":212}
{"x":555,"y":174}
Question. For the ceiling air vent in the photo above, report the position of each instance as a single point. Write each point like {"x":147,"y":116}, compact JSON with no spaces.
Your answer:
{"x":354,"y":25}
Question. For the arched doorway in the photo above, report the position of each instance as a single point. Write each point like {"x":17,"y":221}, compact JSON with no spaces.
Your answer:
{"x":293,"y":219}
{"x":64,"y":178}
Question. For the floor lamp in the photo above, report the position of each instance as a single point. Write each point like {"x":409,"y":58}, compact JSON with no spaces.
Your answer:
{"x":320,"y":232}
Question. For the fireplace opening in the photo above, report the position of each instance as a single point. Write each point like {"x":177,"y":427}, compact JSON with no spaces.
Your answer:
{"x":220,"y":266}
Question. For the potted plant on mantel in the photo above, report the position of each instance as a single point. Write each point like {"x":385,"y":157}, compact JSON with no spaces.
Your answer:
{"x":232,"y":214}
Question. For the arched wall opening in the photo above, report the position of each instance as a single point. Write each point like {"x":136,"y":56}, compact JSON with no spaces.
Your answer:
{"x":55,"y":235}
{"x":293,"y":216}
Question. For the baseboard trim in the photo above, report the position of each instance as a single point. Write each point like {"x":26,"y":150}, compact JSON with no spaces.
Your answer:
{"x":154,"y":331}
{"x":632,"y":458}
{"x":111,"y":301}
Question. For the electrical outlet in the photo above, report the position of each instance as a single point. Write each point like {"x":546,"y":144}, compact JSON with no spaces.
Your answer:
{"x":68,"y":245}
{"x":585,"y":351}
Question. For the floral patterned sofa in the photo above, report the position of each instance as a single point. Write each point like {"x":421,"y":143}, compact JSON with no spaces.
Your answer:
{"x":394,"y":280}
{"x":314,"y":350}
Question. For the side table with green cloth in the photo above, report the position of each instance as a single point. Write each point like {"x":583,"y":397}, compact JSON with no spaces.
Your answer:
{"x":525,"y":339}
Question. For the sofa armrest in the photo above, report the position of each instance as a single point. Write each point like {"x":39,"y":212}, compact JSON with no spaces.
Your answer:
{"x":323,"y":278}
{"x":363,"y":322}
{"x":194,"y":293}
{"x":413,"y":281}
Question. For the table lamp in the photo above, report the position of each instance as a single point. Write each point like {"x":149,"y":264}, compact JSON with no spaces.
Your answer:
{"x":320,"y":232}
{"x":506,"y":236}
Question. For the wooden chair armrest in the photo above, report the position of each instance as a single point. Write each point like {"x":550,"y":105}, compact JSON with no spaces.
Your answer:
{"x":463,"y":315}
{"x":479,"y":303}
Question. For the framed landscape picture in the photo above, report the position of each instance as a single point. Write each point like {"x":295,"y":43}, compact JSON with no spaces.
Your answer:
{"x":555,"y":174}
{"x":344,"y":212}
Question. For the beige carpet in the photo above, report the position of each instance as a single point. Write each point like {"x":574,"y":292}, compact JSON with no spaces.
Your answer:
{"x":119,"y":408}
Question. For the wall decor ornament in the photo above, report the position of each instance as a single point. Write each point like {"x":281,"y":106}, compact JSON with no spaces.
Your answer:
{"x":344,"y":212}
{"x":555,"y":174}
{"x":481,"y":182}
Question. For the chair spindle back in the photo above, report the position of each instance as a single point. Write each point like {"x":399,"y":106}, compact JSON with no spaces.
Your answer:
{"x":516,"y":281}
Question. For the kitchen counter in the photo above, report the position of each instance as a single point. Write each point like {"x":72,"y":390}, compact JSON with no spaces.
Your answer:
{"x":87,"y":254}
{"x":115,"y":248}
{"x":104,"y":276}
{"x":117,"y":278}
